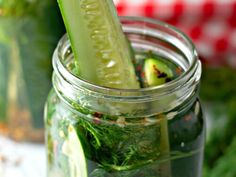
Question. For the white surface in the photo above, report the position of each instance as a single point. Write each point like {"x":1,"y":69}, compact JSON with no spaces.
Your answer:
{"x":21,"y":159}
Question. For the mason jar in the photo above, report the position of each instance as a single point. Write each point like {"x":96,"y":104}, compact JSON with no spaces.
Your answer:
{"x":94,"y":131}
{"x":27,"y":42}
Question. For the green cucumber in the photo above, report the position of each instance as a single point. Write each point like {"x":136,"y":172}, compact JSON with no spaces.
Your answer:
{"x":73,"y":149}
{"x":100,"y":48}
{"x":156,"y":72}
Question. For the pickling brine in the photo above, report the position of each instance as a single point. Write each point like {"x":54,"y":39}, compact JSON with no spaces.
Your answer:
{"x":155,"y":130}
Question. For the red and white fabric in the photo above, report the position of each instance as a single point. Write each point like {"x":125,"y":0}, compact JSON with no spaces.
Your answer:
{"x":211,"y":24}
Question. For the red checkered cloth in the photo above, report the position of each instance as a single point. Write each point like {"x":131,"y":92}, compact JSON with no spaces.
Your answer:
{"x":211,"y":24}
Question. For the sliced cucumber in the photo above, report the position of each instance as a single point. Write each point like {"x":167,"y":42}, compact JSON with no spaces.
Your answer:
{"x":73,"y":149}
{"x":99,"y":45}
{"x":156,"y":72}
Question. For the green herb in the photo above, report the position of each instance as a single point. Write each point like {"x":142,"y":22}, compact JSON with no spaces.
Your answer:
{"x":122,"y":146}
{"x":225,"y":165}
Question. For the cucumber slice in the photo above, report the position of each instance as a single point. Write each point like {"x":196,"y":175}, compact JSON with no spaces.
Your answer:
{"x":99,"y":45}
{"x":73,"y":149}
{"x":156,"y":72}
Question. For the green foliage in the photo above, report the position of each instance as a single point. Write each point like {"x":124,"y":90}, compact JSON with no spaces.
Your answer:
{"x":37,"y":42}
{"x":219,"y":90}
{"x":3,"y":81}
{"x":218,"y":84}
{"x":19,"y":8}
{"x":35,"y":28}
{"x":225,"y":165}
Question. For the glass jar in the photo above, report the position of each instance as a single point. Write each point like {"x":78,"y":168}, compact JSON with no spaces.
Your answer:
{"x":29,"y":32}
{"x":103,"y":132}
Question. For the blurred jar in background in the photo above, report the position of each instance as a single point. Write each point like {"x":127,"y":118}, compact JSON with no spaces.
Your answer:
{"x":29,"y":31}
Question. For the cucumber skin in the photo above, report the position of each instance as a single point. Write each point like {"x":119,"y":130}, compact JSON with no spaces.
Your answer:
{"x":100,"y":48}
{"x":151,"y":66}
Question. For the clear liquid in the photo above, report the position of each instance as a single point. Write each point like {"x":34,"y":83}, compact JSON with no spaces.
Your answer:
{"x":134,"y":152}
{"x":137,"y":148}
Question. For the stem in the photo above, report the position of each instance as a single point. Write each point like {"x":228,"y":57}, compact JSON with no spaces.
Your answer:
{"x":165,"y":167}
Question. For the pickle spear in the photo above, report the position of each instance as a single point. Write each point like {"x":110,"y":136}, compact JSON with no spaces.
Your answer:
{"x":158,"y":73}
{"x":102,"y":56}
{"x":100,"y":48}
{"x":73,"y":149}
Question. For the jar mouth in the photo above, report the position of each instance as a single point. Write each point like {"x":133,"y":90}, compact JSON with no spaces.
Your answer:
{"x":194,"y":64}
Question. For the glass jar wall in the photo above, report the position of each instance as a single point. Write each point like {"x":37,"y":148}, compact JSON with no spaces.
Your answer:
{"x":29,"y":31}
{"x":157,"y":131}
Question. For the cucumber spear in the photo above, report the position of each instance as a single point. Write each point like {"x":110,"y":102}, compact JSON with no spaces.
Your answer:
{"x":100,"y":48}
{"x":157,"y":73}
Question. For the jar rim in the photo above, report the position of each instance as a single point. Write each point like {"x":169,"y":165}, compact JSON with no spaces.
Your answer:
{"x":160,"y":90}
